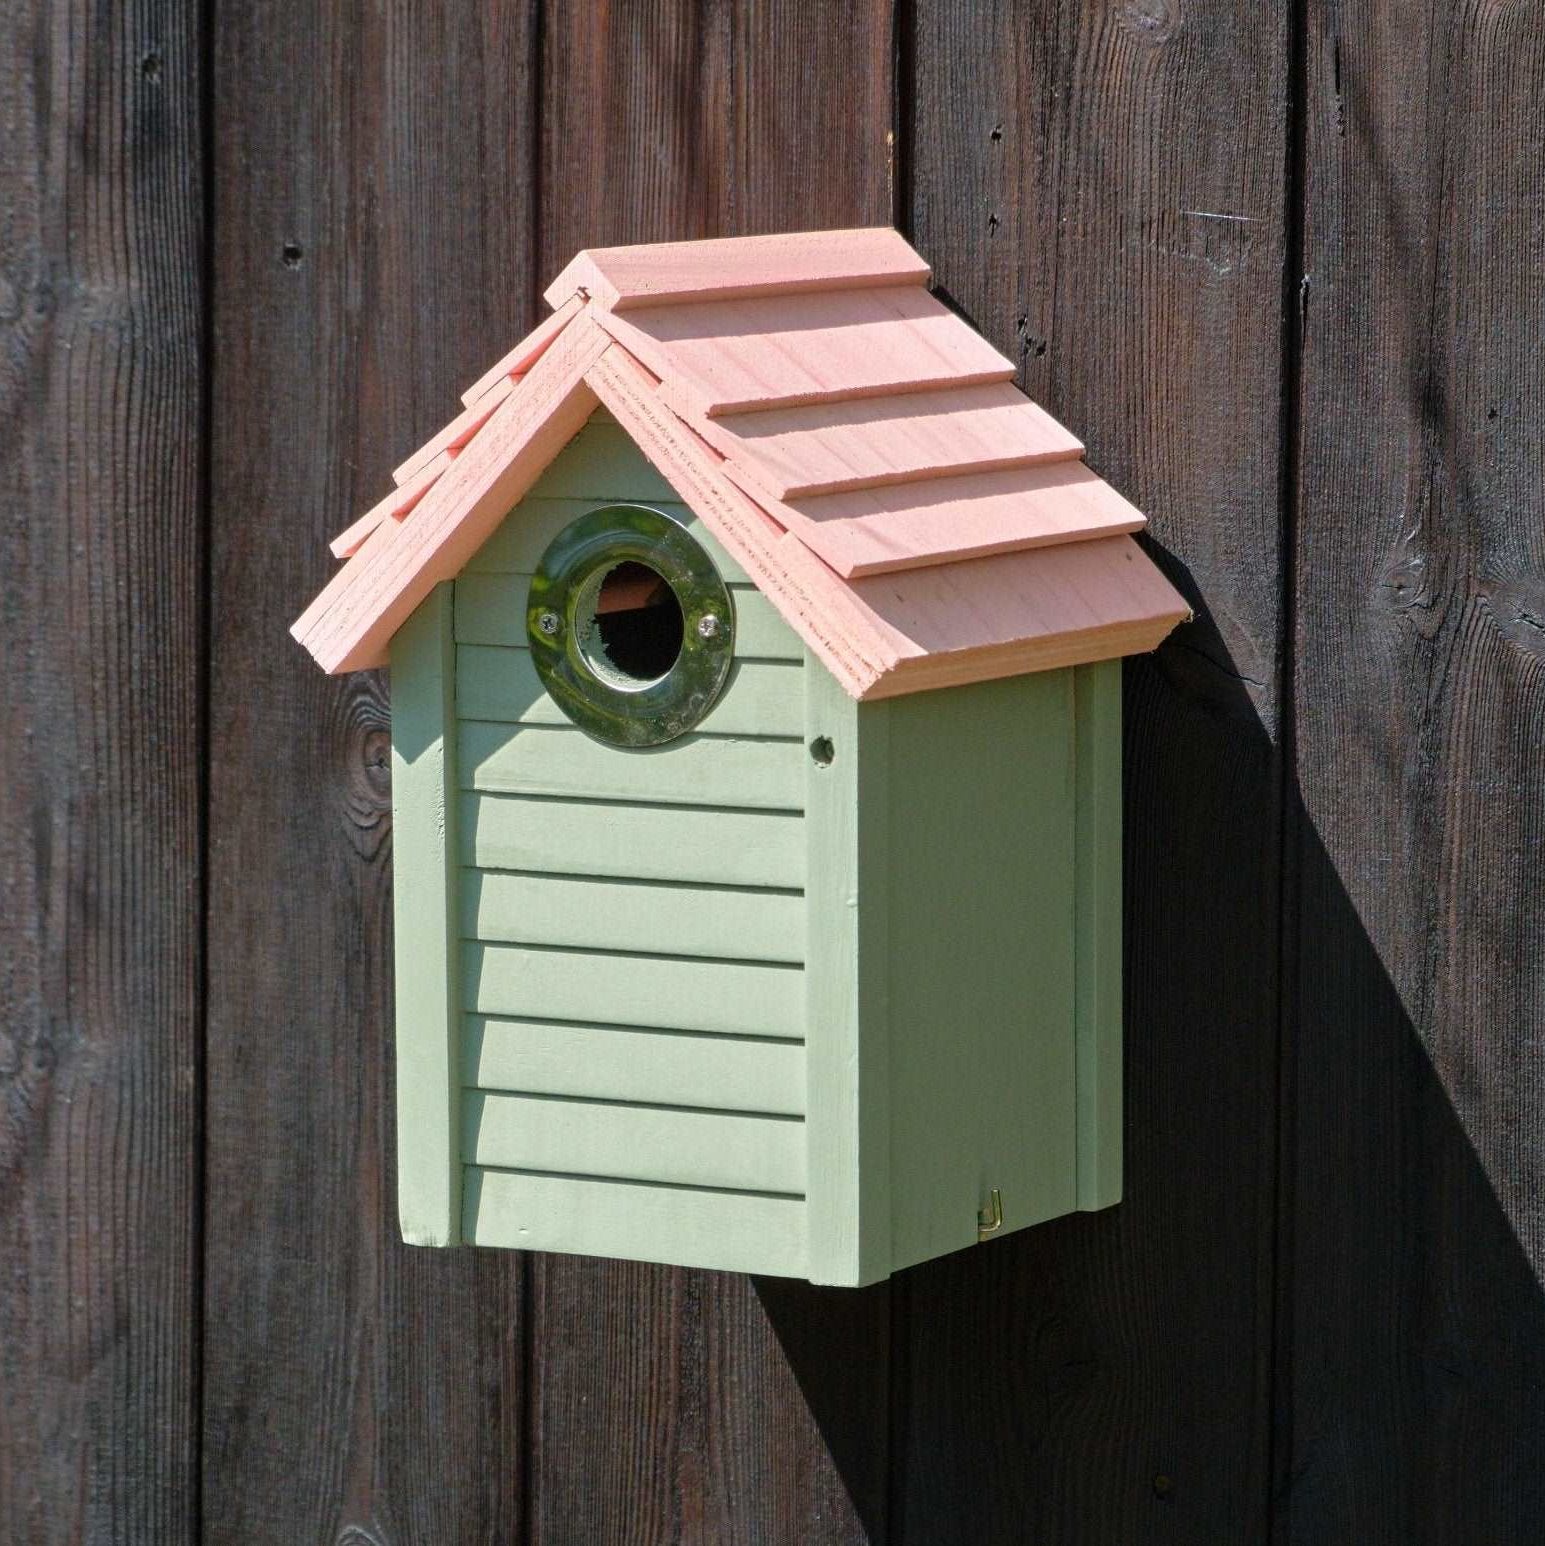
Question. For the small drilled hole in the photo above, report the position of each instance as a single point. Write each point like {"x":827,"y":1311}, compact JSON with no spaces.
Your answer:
{"x":292,"y":254}
{"x":638,"y":628}
{"x":822,"y":751}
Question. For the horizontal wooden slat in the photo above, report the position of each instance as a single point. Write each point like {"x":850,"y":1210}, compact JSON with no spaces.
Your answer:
{"x":650,"y":842}
{"x":945,"y":520}
{"x":731,"y":1231}
{"x":696,"y":770}
{"x":613,"y":1063}
{"x":688,"y":995}
{"x":641,"y":915}
{"x":780,"y":264}
{"x":500,"y":683}
{"x":743,"y":356}
{"x":491,"y":609}
{"x":829,"y":447}
{"x":634,"y":1143}
{"x":522,"y":538}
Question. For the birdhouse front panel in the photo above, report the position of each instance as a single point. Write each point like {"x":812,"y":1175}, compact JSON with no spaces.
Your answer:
{"x":632,"y":918}
{"x":755,"y":656}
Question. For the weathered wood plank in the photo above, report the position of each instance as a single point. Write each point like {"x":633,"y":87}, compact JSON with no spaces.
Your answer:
{"x":671,"y":918}
{"x":661,"y":991}
{"x":695,"y":770}
{"x":1416,"y":1214}
{"x":707,"y":123}
{"x":615,"y":1063}
{"x":645,"y":842}
{"x":731,"y":1231}
{"x":625,"y":1142}
{"x":759,"y":698}
{"x":1101,"y":190}
{"x":355,"y":1390}
{"x":101,"y":848}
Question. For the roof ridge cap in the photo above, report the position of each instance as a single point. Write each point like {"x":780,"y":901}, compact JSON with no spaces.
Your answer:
{"x":741,"y":267}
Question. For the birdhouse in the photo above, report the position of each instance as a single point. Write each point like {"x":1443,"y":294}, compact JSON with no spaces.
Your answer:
{"x":755,"y":671}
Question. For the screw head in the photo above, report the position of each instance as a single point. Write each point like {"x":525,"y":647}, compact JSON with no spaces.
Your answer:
{"x":549,"y":623}
{"x":708,"y":626}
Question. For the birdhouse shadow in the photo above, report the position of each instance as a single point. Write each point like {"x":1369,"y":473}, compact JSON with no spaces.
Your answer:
{"x":1308,"y":1229}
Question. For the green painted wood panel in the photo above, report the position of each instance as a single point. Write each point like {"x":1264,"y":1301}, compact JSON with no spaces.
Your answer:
{"x":491,"y":609}
{"x":685,"y":1068}
{"x":673,"y":993}
{"x":761,"y":698}
{"x":517,"y":546}
{"x":696,"y":770}
{"x":1097,"y":924}
{"x":731,"y":1231}
{"x":602,"y":462}
{"x":654,"y":842}
{"x":979,"y":865}
{"x":633,"y":915}
{"x":618,"y":1141}
{"x":846,"y":822}
{"x":428,"y":1011}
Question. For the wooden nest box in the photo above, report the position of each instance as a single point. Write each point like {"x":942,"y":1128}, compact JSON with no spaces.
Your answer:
{"x":754,"y":650}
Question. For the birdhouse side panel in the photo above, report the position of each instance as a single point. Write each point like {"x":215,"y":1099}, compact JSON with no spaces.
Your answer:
{"x":980,"y":867}
{"x":632,"y":1042}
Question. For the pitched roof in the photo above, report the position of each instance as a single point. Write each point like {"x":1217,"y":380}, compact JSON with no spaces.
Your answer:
{"x":859,"y":449}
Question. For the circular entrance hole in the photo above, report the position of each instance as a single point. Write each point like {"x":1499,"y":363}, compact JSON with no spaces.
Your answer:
{"x":636,"y":629}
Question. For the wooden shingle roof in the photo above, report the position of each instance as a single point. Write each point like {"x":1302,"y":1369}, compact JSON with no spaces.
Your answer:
{"x":858,"y":448}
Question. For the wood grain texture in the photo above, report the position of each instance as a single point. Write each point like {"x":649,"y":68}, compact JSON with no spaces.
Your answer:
{"x":356,"y":1391}
{"x":689,"y":122}
{"x":1100,"y":189}
{"x":1417,"y":1204}
{"x":101,"y":859}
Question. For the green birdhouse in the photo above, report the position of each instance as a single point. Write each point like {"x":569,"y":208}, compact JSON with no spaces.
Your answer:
{"x":755,"y":668}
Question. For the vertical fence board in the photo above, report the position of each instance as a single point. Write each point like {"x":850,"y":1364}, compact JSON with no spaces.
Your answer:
{"x":708,"y":1410}
{"x":1416,"y":1388}
{"x":100,"y":789}
{"x":373,"y":230}
{"x":1101,"y":190}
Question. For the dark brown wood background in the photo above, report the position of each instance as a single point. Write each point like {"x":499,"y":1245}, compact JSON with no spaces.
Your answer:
{"x":1283,"y":266}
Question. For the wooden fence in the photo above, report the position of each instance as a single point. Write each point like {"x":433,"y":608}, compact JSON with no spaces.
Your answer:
{"x":1282,"y":265}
